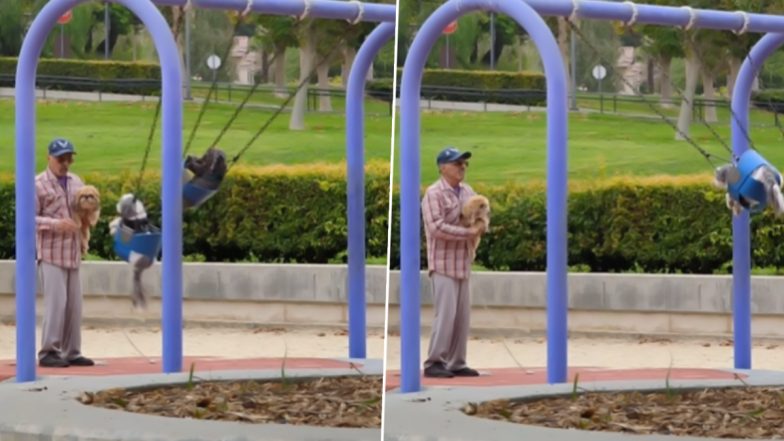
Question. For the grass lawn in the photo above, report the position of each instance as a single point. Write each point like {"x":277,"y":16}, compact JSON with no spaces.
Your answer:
{"x":111,"y":137}
{"x":263,"y":95}
{"x":512,"y":146}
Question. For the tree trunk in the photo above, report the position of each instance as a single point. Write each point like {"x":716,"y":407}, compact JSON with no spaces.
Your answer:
{"x":349,"y":53}
{"x":178,"y":21}
{"x":265,"y":66}
{"x":306,"y":55}
{"x":732,"y":78}
{"x":709,"y":92}
{"x":325,"y":101}
{"x":665,"y":82}
{"x":370,"y":73}
{"x":520,"y":52}
{"x":279,"y":72}
{"x":563,"y":45}
{"x":692,"y":74}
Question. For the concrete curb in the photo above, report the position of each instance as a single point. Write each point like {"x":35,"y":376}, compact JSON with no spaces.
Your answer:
{"x":47,"y":410}
{"x":434,"y":414}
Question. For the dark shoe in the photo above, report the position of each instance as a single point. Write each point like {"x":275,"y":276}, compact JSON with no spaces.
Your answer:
{"x":437,"y":370}
{"x":52,"y":360}
{"x":81,"y":361}
{"x":466,"y":372}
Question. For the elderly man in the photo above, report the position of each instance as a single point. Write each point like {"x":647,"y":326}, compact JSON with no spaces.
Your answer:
{"x":58,"y":248}
{"x":449,"y":266}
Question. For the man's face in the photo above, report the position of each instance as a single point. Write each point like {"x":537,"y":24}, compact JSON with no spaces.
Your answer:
{"x":60,"y":164}
{"x":454,"y":171}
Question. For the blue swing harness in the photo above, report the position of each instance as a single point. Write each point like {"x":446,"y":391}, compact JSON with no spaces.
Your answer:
{"x":747,"y":190}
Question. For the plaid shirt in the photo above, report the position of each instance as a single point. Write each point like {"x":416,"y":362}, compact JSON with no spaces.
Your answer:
{"x":447,"y":242}
{"x":51,"y":204}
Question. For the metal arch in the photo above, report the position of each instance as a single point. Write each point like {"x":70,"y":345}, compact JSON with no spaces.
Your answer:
{"x":661,"y":15}
{"x":557,"y":126}
{"x":332,"y":9}
{"x":25,"y":181}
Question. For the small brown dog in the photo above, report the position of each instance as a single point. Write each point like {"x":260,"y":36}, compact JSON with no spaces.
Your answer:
{"x":476,"y":213}
{"x":86,"y":210}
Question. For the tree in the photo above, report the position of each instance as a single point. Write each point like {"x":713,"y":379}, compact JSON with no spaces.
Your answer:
{"x":320,"y":44}
{"x":276,"y":34}
{"x":506,"y":33}
{"x":121,"y":22}
{"x":12,"y":27}
{"x":662,"y":44}
{"x":602,"y":36}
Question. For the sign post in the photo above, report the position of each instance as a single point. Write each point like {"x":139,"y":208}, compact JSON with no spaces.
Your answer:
{"x":214,"y":63}
{"x":449,"y":30}
{"x":62,"y":21}
{"x":599,"y":72}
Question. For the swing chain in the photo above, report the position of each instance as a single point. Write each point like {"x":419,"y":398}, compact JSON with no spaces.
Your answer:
{"x":240,"y":107}
{"x":305,"y":11}
{"x":707,"y":155}
{"x":635,"y":14}
{"x":692,"y":18}
{"x":151,"y":135}
{"x":360,"y":12}
{"x":248,"y":9}
{"x":734,"y":115}
{"x":213,"y":86}
{"x":280,"y":108}
{"x":746,"y":22}
{"x":147,"y":150}
{"x":575,"y":11}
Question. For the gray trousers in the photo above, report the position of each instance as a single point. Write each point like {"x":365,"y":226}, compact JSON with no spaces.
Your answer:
{"x":452,"y":306}
{"x":62,"y":319}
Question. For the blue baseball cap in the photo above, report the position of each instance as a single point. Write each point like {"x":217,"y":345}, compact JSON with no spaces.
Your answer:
{"x":451,"y":154}
{"x":60,"y":146}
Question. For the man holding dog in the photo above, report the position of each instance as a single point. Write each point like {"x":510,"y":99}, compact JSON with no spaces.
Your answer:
{"x":449,"y":262}
{"x":58,"y":250}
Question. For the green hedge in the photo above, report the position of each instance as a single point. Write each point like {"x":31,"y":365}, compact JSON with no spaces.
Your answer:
{"x":483,"y":79}
{"x":108,"y":76}
{"x":298,"y":215}
{"x":287,"y":214}
{"x":661,"y":227}
{"x":524,"y":88}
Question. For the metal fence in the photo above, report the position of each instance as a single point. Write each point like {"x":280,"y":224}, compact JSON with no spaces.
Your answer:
{"x":512,"y":99}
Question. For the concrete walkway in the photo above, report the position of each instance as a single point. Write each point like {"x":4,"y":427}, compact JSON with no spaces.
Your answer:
{"x":434,"y":414}
{"x":538,"y":375}
{"x":48,"y":409}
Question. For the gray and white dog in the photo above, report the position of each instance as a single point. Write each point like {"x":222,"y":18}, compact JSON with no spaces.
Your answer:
{"x":133,"y":216}
{"x":728,"y":174}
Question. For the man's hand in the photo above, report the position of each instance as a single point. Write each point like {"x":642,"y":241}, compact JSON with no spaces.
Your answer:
{"x":65,"y":226}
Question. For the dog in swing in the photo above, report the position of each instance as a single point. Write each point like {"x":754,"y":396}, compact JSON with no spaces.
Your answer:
{"x":769,"y":178}
{"x":212,"y":165}
{"x":132,"y":215}
{"x":476,"y":213}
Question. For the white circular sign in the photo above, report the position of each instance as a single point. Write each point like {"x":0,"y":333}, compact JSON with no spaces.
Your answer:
{"x":213,"y":62}
{"x":599,"y":72}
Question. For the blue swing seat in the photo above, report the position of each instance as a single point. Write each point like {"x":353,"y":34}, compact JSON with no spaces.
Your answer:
{"x":126,"y":241}
{"x":746,"y":189}
{"x":197,"y":189}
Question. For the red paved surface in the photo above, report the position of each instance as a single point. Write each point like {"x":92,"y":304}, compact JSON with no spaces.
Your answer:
{"x":138,"y":365}
{"x":538,"y":375}
{"x":489,"y":377}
